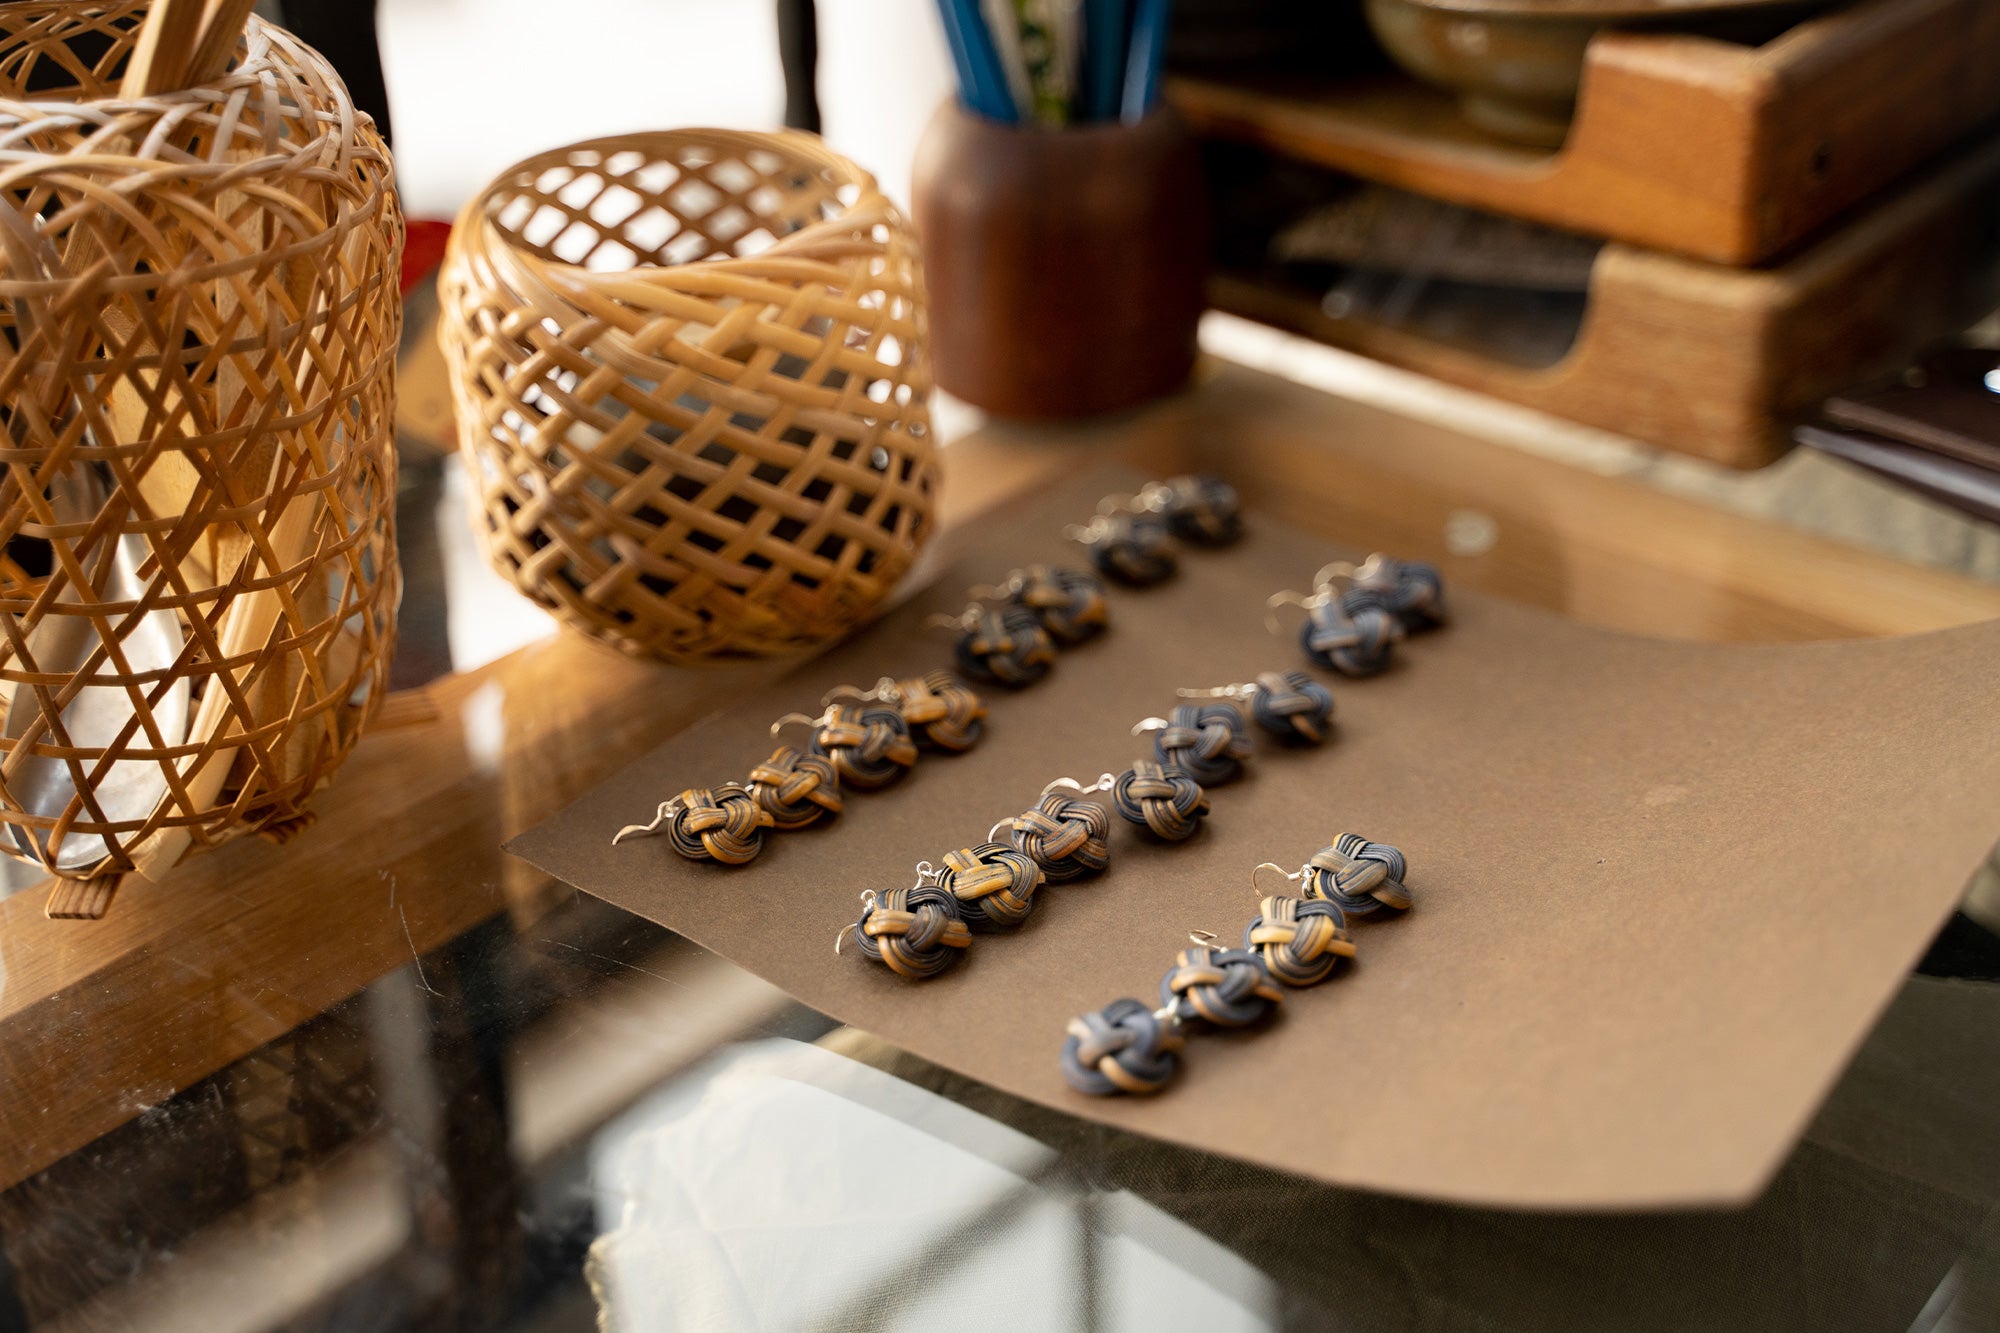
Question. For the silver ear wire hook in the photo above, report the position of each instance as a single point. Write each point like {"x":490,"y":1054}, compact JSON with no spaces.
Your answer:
{"x":666,"y":811}
{"x":854,"y":927}
{"x":1144,"y":725}
{"x":1016,"y":580}
{"x":1323,"y":580}
{"x":884,"y":690}
{"x":1244,"y":690}
{"x":964,"y":620}
{"x":1325,"y":589}
{"x":1290,"y":877}
{"x":826,"y":715}
{"x":1205,"y":938}
{"x":1103,"y":782}
{"x":1094,"y":531}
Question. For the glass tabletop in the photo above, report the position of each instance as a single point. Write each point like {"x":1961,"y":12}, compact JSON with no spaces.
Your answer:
{"x":561,"y":1116}
{"x":583,"y":1121}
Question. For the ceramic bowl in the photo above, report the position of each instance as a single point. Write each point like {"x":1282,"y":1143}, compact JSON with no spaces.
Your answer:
{"x":1516,"y":64}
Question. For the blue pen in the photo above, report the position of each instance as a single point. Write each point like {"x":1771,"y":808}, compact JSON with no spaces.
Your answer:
{"x":1105,"y":50}
{"x":982,"y":85}
{"x":1149,"y":52}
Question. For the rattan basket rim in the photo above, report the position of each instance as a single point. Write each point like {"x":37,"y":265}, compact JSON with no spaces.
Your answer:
{"x":811,"y":243}
{"x":255,"y":57}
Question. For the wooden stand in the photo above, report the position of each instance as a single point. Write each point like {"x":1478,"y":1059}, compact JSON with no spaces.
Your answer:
{"x":1686,"y":144}
{"x":1716,"y":361}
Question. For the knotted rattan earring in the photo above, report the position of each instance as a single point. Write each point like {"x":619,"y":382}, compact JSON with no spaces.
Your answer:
{"x":1203,"y":510}
{"x":1166,"y":802}
{"x":915,"y":932}
{"x":1413,"y":590}
{"x":994,"y":884}
{"x":795,"y":788}
{"x":1127,"y":547}
{"x":1068,"y":603}
{"x":1000,"y":645}
{"x":1352,"y":632}
{"x":722,"y":823}
{"x":1066,"y":836}
{"x":1204,"y":740}
{"x":940,"y":710}
{"x":868,"y":745}
{"x":1357,"y":876}
{"x":1302,"y":941}
{"x":1290,"y":705}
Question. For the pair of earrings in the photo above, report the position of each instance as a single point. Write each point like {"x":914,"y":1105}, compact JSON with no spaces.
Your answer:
{"x":1292,"y":943}
{"x":920,"y":931}
{"x":863,"y":745}
{"x":1040,"y":609}
{"x":1356,"y":614}
{"x":1132,"y":538}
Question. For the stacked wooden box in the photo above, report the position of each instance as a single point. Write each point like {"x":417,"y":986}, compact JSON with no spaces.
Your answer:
{"x":1779,"y":220}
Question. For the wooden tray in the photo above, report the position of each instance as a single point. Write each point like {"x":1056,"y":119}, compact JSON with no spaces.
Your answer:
{"x":1686,"y":144}
{"x":1715,"y":361}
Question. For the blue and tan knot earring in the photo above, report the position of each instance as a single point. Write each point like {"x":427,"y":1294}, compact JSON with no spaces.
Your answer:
{"x":722,"y":823}
{"x":1068,"y":603}
{"x":1164,"y":800}
{"x":1353,"y":631}
{"x":1206,"y":741}
{"x":1003,"y":645}
{"x":795,"y":788}
{"x":869,"y":745}
{"x":916,"y":932}
{"x":1203,"y":510}
{"x":1133,"y":547}
{"x":1413,"y":590}
{"x":1289,"y":705}
{"x":1357,"y":876}
{"x":1067,"y":836}
{"x":940,"y":710}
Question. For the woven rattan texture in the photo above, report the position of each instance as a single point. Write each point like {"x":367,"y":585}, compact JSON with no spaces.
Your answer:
{"x":200,"y":320}
{"x":692,"y":390}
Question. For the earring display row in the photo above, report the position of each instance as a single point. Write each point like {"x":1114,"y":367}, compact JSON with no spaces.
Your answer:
{"x":1649,"y":921}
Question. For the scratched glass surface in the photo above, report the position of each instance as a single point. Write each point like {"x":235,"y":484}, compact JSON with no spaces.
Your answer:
{"x":577,"y":1120}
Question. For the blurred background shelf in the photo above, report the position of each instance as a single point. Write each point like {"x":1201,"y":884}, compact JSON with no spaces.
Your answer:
{"x":1701,"y":358}
{"x":1684,"y":143}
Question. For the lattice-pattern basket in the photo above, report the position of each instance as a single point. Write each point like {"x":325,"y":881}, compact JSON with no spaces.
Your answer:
{"x":692,"y":389}
{"x":198,"y":327}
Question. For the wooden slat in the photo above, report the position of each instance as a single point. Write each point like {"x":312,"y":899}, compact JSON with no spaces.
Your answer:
{"x":1719,"y":362}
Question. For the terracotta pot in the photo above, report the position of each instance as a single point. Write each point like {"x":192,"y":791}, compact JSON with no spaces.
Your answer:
{"x":1065,"y":267}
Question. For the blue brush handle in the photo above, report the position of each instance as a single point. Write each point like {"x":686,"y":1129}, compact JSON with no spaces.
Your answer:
{"x":1106,"y":49}
{"x":1149,"y":52}
{"x":981,"y":83}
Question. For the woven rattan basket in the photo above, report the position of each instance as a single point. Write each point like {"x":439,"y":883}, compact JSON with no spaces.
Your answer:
{"x":692,"y":389}
{"x":200,"y":314}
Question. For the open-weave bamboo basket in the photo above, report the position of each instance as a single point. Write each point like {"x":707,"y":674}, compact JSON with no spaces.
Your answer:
{"x":198,"y":292}
{"x":692,"y":389}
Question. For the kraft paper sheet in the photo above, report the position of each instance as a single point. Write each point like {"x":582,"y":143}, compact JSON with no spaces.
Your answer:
{"x":1662,"y":889}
